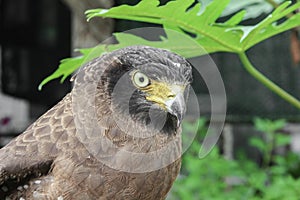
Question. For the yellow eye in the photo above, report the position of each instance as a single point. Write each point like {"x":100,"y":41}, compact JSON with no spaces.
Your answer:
{"x":140,"y":79}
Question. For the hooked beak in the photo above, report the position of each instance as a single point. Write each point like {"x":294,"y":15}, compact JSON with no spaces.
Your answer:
{"x":168,"y":97}
{"x":176,"y":107}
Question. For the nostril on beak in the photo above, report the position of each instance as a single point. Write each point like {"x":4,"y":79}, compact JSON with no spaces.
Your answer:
{"x":170,"y":96}
{"x":176,"y":107}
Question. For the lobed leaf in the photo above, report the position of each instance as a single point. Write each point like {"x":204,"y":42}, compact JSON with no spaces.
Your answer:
{"x":185,"y":16}
{"x":227,"y":36}
{"x":176,"y":42}
{"x":253,"y":8}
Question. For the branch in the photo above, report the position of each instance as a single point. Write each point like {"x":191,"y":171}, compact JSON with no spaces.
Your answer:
{"x":267,"y":82}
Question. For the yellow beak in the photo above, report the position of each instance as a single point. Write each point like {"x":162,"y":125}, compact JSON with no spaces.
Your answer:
{"x":168,"y":97}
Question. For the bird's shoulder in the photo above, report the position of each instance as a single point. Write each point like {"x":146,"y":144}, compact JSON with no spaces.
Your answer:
{"x":32,"y":153}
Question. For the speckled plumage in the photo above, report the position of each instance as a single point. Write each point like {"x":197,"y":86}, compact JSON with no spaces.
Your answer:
{"x":52,"y":159}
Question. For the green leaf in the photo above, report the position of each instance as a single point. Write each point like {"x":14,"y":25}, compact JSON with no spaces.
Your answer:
{"x":268,"y":126}
{"x":176,"y":42}
{"x":279,"y":170}
{"x":258,"y":143}
{"x":269,"y":26}
{"x":220,"y":36}
{"x":236,"y":19}
{"x":254,"y":8}
{"x":258,"y":179}
{"x":282,"y":140}
{"x":279,"y":160}
{"x":66,"y":67}
{"x":261,"y":124}
{"x":177,"y":14}
{"x":69,"y":65}
{"x":185,"y":16}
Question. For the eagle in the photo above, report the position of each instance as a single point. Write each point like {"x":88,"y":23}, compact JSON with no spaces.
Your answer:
{"x":116,"y":135}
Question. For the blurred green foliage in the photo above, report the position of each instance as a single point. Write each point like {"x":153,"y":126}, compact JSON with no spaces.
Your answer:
{"x":217,"y":178}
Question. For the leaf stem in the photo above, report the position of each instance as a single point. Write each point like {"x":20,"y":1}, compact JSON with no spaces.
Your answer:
{"x":267,"y":82}
{"x":273,"y":3}
{"x":276,"y":5}
{"x":269,"y":141}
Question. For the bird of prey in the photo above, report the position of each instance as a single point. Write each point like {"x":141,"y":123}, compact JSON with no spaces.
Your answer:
{"x":116,"y":135}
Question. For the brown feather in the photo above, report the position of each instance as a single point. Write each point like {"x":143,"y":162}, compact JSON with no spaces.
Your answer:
{"x":52,"y":159}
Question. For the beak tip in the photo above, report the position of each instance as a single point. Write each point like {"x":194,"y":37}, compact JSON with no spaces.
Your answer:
{"x":178,"y":114}
{"x":176,"y":108}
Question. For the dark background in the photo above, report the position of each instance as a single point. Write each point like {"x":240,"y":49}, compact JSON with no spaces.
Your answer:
{"x":35,"y":36}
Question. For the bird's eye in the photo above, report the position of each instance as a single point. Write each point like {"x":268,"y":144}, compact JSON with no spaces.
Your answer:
{"x":140,"y":79}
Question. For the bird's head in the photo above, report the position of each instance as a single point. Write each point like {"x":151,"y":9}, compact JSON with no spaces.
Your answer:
{"x":148,"y":85}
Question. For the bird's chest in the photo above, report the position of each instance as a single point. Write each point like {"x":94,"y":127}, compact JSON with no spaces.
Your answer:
{"x":150,"y":185}
{"x":96,"y":181}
